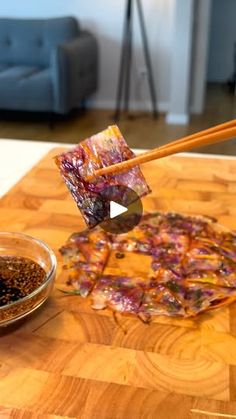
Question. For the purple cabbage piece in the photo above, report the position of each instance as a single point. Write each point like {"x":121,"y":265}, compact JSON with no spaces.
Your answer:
{"x":122,"y":294}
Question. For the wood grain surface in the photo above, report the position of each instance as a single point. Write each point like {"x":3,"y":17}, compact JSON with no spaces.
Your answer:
{"x":67,"y":361}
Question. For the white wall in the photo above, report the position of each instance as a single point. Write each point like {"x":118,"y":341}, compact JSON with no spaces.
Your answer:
{"x":222,"y":38}
{"x":202,"y":18}
{"x":105,"y":19}
{"x":181,"y":63}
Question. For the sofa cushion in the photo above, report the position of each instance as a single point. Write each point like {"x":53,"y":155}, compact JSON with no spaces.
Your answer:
{"x":26,"y":88}
{"x":3,"y":66}
{"x":30,"y":41}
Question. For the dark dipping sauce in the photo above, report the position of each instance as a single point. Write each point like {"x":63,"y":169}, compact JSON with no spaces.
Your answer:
{"x":19,"y":277}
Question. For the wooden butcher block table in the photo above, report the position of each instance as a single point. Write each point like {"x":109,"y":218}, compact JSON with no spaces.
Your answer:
{"x":69,"y":361}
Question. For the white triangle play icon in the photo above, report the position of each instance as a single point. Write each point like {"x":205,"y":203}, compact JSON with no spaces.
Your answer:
{"x":116,"y":209}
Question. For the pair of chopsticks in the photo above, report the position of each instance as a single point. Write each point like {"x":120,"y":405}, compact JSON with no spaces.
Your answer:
{"x":209,"y":136}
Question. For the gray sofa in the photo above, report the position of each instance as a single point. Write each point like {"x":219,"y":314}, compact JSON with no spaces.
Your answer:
{"x":46,"y":65}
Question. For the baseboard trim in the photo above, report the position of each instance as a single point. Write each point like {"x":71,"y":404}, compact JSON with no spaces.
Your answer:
{"x":177,"y":119}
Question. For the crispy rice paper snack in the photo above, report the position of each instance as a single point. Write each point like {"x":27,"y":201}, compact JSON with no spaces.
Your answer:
{"x":85,"y":256}
{"x":101,"y":150}
{"x":192,"y":266}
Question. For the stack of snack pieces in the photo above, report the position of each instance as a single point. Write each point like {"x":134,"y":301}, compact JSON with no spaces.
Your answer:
{"x":193,"y":266}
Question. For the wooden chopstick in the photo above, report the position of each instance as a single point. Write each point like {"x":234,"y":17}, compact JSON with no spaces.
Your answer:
{"x":213,"y":135}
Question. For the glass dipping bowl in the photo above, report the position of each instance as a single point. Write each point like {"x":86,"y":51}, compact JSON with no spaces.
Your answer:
{"x":17,"y":244}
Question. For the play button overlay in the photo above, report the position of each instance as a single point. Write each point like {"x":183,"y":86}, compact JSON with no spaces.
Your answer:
{"x":116,"y":209}
{"x":121,"y":207}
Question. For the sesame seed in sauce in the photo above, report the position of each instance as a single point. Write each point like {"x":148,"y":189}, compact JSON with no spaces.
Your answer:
{"x":19,"y":276}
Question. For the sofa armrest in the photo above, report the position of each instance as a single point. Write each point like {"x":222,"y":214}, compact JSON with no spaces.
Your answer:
{"x":74,"y":67}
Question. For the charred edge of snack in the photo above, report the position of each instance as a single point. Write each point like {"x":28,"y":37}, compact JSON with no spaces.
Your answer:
{"x":117,"y":321}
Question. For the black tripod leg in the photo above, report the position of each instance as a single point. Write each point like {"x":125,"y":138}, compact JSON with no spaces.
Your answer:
{"x":122,"y":63}
{"x":128,"y":57}
{"x":147,"y":58}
